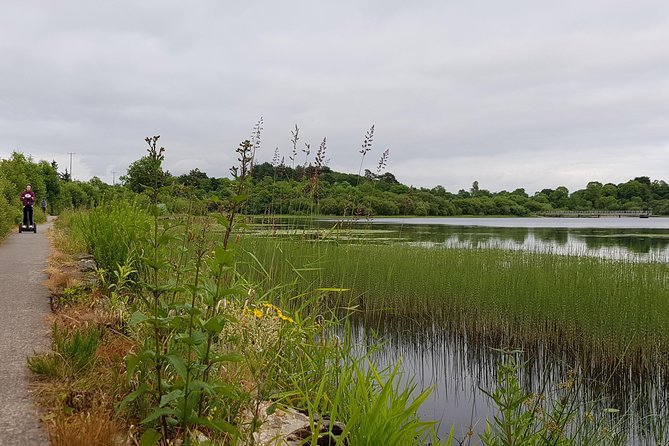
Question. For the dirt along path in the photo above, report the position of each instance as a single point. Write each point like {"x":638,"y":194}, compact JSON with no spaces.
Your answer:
{"x":24,"y":302}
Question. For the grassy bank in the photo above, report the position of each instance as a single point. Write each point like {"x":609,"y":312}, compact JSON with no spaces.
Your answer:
{"x":194,"y":334}
{"x":99,"y":390}
{"x":173,"y":344}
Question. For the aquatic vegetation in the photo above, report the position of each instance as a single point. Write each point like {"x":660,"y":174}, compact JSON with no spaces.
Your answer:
{"x":605,"y":312}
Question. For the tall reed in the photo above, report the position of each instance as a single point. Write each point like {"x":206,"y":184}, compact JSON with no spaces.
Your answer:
{"x":606,"y":310}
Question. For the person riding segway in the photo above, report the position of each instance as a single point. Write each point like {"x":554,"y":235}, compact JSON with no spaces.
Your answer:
{"x":28,"y":200}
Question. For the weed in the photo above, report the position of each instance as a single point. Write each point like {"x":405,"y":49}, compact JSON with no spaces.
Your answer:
{"x":85,"y":429}
{"x":77,"y":348}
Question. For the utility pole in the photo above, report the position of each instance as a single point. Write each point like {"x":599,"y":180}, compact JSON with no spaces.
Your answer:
{"x":71,"y":153}
{"x":113,"y":178}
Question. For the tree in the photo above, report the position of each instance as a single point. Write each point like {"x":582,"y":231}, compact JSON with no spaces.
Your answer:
{"x":145,"y":172}
{"x":559,"y":198}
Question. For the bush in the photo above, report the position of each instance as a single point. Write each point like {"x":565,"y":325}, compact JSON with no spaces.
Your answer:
{"x":111,"y":232}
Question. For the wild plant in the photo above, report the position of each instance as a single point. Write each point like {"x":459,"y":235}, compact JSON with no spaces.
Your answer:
{"x":374,"y":408}
{"x":295,"y":137}
{"x":552,"y":416}
{"x":76,"y":347}
{"x":111,"y":232}
{"x":187,"y":278}
{"x":366,"y":147}
{"x":73,"y":352}
{"x":319,"y":162}
{"x":255,"y":139}
{"x":118,"y":288}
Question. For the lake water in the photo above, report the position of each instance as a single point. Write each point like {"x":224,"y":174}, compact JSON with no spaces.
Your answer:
{"x":640,"y":239}
{"x":458,"y":368}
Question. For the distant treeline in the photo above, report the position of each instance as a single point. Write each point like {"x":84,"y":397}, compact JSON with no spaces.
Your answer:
{"x":285,"y":190}
{"x":281,"y":189}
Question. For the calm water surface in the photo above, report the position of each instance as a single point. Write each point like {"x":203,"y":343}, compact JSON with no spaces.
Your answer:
{"x":639,"y":239}
{"x":458,"y":368}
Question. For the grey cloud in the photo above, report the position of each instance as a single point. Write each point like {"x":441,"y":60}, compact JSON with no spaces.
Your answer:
{"x":501,"y":92}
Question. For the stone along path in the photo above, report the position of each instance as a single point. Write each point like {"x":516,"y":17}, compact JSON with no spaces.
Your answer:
{"x":24,"y":302}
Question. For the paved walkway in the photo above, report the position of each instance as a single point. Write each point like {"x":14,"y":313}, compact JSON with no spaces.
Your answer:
{"x":24,"y":302}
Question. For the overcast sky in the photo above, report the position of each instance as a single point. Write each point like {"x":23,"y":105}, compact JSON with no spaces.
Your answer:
{"x":510,"y":93}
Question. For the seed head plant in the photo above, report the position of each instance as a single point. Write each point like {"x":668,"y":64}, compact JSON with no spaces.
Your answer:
{"x":294,"y":138}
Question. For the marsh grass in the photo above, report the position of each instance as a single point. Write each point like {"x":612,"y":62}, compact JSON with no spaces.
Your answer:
{"x":607,"y":312}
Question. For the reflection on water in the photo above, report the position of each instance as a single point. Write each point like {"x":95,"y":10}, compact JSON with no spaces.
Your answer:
{"x":458,"y":365}
{"x":632,"y":239}
{"x":634,"y":247}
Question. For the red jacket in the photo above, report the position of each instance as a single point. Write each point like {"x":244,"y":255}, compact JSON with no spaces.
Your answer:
{"x":28,"y":197}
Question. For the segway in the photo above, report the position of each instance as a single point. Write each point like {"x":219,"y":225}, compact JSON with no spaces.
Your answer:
{"x":29,"y":228}
{"x":32,"y":227}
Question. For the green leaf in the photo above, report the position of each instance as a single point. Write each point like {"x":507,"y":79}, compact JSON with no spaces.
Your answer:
{"x":138,"y":317}
{"x":201,"y":385}
{"x":131,"y":362}
{"x":270,"y":409}
{"x":226,"y":390}
{"x":334,"y":290}
{"x":159,"y":413}
{"x":239,"y":199}
{"x":222,"y":220}
{"x":179,"y":365}
{"x":228,"y":357}
{"x":197,"y":338}
{"x":165,"y":238}
{"x":217,"y":425}
{"x":169,"y":397}
{"x":225,"y":256}
{"x":150,"y":437}
{"x":214,"y":325}
{"x":141,"y":390}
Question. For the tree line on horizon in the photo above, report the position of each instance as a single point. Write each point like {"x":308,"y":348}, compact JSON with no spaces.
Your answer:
{"x":317,"y":189}
{"x":312,"y":190}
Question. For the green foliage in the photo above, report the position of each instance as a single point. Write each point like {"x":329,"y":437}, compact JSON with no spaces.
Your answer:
{"x":556,"y":418}
{"x":73,"y":353}
{"x":198,"y":321}
{"x":111,"y":232}
{"x":146,"y":172}
{"x":281,"y":189}
{"x":76,"y":347}
{"x":201,"y":311}
{"x":183,"y":278}
{"x":377,"y":409}
{"x":74,"y":295}
{"x":48,"y":365}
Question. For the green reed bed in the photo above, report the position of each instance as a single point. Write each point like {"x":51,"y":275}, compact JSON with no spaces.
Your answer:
{"x":606,"y":310}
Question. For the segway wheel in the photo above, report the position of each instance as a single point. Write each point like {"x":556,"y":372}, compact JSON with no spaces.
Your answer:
{"x":20,"y":229}
{"x":35,"y":229}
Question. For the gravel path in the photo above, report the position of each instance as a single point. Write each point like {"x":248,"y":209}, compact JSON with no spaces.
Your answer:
{"x":24,"y":302}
